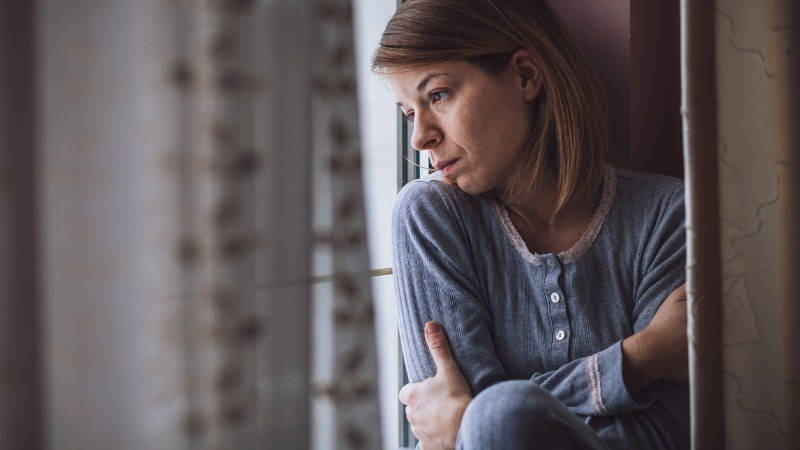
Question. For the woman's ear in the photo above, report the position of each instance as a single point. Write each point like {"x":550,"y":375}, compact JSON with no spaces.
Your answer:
{"x":527,"y":74}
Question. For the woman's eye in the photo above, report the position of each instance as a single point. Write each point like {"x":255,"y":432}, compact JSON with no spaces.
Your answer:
{"x":410,"y":115}
{"x":436,"y":97}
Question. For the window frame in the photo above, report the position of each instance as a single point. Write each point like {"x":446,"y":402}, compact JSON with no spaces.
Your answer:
{"x":410,"y":166}
{"x":408,"y":169}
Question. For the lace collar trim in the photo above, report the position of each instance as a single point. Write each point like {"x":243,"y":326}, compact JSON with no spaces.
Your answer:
{"x":587,"y":238}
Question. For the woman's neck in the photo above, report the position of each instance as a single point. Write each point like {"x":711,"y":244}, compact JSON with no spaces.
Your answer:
{"x":544,"y":232}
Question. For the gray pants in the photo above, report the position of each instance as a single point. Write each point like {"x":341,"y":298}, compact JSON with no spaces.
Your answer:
{"x":517,"y":415}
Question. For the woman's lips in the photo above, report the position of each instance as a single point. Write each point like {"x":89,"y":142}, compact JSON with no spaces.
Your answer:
{"x":446,"y":166}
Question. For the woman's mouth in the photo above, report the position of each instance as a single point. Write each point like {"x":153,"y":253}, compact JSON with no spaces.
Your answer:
{"x":447,"y":167}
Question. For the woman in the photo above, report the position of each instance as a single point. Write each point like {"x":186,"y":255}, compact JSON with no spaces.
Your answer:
{"x":555,"y":278}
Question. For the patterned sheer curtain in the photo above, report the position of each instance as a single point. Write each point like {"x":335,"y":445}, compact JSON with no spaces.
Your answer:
{"x":185,"y":214}
{"x":741,"y":75}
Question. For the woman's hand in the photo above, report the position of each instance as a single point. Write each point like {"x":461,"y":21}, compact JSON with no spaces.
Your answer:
{"x":660,"y":351}
{"x":666,"y":335}
{"x":434,"y":406}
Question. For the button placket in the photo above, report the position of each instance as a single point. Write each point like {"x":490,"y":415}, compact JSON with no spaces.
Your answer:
{"x":557,"y":309}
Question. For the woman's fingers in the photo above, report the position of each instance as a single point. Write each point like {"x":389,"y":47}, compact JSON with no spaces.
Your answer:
{"x":439,"y":348}
{"x":678,"y":295}
{"x":406,"y":395}
{"x":410,"y":415}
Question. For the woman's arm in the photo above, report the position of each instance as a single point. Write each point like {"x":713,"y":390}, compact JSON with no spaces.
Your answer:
{"x":435,"y":280}
{"x":660,"y":351}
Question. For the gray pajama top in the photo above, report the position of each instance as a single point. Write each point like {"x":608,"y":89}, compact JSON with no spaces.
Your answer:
{"x":557,"y":320}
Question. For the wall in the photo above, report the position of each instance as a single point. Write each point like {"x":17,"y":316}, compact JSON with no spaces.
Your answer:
{"x":634,"y":47}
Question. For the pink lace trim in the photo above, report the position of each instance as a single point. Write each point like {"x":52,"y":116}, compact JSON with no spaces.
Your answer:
{"x":587,"y":238}
{"x":595,"y":386}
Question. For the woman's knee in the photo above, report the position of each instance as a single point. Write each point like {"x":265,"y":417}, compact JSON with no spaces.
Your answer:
{"x":516,"y":414}
{"x":512,"y":398}
{"x":509,"y":410}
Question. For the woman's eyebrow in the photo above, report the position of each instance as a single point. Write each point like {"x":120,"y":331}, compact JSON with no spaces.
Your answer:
{"x":427,"y":78}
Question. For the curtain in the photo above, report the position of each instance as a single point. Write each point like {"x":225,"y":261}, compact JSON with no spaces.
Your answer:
{"x":741,"y":108}
{"x":194,"y":166}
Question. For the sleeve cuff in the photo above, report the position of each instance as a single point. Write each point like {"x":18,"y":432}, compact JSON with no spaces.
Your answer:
{"x":607,"y":392}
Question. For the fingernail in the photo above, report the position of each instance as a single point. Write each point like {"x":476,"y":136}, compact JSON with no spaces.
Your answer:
{"x":432,"y":328}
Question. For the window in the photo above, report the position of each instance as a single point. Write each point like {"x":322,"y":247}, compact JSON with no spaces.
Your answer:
{"x":389,"y":163}
{"x":380,"y":129}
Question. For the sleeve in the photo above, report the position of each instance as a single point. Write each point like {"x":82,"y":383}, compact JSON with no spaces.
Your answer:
{"x":594,"y":385}
{"x":435,"y":280}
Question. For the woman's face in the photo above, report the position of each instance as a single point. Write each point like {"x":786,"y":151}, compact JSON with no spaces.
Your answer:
{"x":474,"y":125}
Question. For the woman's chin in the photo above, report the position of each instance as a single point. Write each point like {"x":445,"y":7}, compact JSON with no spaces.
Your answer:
{"x":470,"y":188}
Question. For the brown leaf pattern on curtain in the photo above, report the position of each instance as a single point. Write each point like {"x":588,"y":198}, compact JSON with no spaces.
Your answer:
{"x":353,"y":386}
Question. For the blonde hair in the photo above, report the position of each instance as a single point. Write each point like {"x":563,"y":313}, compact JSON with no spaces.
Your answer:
{"x":569,"y":137}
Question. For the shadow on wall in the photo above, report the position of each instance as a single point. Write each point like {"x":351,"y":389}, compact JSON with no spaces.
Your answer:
{"x":635,"y":48}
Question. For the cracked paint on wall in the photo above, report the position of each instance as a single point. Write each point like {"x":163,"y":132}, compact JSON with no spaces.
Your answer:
{"x":752,"y":335}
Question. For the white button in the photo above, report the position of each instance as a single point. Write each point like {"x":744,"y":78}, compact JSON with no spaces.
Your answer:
{"x":560,"y":335}
{"x":555,"y":298}
{"x":551,"y":263}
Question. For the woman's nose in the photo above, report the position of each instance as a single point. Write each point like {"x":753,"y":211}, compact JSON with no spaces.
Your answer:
{"x":425,"y":135}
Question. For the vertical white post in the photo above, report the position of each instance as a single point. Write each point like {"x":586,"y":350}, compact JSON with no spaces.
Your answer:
{"x":702,"y":223}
